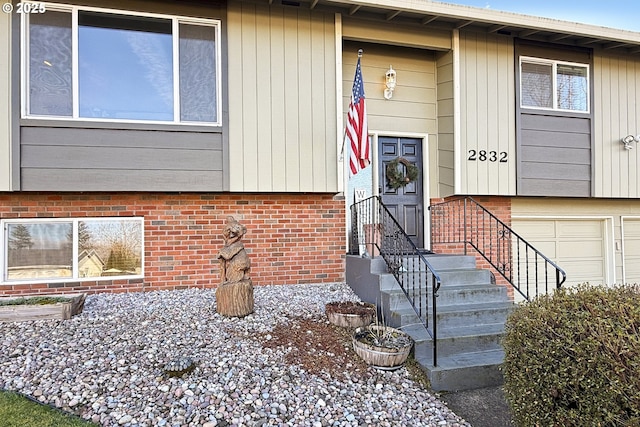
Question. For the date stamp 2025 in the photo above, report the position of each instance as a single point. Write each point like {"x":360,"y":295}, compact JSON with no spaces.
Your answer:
{"x":25,"y":8}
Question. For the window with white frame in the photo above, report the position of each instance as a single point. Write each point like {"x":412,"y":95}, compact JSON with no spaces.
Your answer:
{"x":102,"y":64}
{"x":554,"y":85}
{"x":72,"y":249}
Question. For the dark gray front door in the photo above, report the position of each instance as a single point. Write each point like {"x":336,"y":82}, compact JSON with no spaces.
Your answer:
{"x":405,"y":203}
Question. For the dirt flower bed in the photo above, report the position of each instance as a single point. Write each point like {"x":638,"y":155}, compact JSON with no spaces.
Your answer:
{"x":318,"y":347}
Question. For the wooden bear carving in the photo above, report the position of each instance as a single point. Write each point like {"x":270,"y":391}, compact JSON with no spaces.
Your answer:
{"x":234,"y":296}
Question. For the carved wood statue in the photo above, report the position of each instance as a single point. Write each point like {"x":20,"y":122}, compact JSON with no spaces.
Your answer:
{"x":234,"y":296}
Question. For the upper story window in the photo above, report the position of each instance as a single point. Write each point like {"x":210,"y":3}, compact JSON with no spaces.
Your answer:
{"x":554,"y":85}
{"x":98,"y":64}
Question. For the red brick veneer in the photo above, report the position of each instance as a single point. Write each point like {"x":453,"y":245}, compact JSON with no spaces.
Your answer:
{"x":291,"y":238}
{"x":498,"y":206}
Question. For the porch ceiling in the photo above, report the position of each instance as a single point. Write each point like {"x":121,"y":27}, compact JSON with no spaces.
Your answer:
{"x":431,"y":14}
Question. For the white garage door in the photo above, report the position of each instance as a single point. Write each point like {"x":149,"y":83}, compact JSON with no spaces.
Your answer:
{"x":578,"y":246}
{"x":631,"y":230}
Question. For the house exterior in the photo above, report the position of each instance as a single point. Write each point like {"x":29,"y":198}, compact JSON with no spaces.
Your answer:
{"x":135,"y":132}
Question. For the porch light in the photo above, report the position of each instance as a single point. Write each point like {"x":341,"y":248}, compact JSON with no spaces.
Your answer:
{"x":389,"y":82}
{"x":628,"y":140}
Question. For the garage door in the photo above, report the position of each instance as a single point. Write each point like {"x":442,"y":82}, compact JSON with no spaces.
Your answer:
{"x":631,"y":229}
{"x":578,"y":246}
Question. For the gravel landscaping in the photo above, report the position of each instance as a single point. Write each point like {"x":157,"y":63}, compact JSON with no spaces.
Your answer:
{"x":282,"y":365}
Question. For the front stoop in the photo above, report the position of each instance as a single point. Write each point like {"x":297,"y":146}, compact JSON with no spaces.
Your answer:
{"x":472,"y":311}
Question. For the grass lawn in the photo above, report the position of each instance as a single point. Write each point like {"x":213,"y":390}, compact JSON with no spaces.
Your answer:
{"x":18,"y":411}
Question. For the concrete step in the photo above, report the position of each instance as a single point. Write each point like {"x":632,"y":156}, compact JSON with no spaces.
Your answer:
{"x":451,"y":262}
{"x":455,"y":294}
{"x":454,"y":316}
{"x":461,"y":340}
{"x":471,"y":315}
{"x":438,"y":261}
{"x":465,"y":371}
{"x":398,"y":311}
{"x":466,"y":277}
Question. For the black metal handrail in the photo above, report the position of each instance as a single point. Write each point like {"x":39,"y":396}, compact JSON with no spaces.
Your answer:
{"x":376,"y":232}
{"x":465,"y":221}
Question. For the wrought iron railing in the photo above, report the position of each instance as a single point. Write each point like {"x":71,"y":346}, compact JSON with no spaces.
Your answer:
{"x":464,"y":221}
{"x":375,"y":232}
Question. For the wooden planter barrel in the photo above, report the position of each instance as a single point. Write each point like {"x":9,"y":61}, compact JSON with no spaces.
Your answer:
{"x":350,"y":314}
{"x":378,"y":356}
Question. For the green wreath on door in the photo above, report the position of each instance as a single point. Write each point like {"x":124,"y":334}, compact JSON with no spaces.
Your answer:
{"x":399,"y":177}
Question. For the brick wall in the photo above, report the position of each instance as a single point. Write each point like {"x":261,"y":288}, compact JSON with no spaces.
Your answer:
{"x":291,"y":238}
{"x":498,"y":206}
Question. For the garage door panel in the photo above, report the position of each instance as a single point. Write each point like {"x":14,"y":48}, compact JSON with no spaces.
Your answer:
{"x":584,"y":249}
{"x":576,"y":245}
{"x":579,"y":229}
{"x":632,"y":273}
{"x":587,"y":270}
{"x":632,"y":246}
{"x":540,"y":229}
{"x":546,"y":248}
{"x":631,"y":229}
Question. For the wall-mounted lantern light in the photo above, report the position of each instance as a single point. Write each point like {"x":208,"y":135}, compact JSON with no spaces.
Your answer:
{"x":628,"y":140}
{"x":389,"y":82}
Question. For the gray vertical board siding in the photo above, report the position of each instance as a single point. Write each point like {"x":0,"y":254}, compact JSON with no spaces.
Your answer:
{"x":282,"y":106}
{"x":487,"y":114}
{"x":616,"y":114}
{"x":413,"y":107}
{"x":395,"y":34}
{"x":555,"y":149}
{"x":78,"y":159}
{"x":446,"y":158}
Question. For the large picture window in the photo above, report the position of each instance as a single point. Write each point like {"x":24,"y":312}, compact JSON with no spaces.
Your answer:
{"x":72,"y":249}
{"x":96,"y":64}
{"x":554,"y":85}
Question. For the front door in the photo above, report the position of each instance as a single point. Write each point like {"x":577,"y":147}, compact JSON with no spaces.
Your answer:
{"x":405,"y":203}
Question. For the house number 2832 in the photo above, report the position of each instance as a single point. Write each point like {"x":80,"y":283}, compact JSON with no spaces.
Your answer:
{"x":484,"y":156}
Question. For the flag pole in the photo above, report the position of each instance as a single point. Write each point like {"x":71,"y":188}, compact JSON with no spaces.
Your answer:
{"x":344,"y":134}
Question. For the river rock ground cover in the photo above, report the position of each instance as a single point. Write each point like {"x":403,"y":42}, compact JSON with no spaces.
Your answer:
{"x":282,"y":365}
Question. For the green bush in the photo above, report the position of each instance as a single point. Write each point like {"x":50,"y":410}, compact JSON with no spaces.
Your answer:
{"x":573,"y":358}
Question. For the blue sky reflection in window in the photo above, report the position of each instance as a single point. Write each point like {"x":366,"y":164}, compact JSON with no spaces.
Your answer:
{"x":125,"y":67}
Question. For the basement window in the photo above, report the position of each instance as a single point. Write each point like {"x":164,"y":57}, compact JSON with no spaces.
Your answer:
{"x":39,"y":250}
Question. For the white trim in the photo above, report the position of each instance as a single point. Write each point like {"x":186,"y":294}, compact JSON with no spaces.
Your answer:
{"x":375,"y":167}
{"x":457,"y":142}
{"x":75,"y":274}
{"x":75,"y":67}
{"x":175,"y":44}
{"x":24,"y":64}
{"x":176,"y":20}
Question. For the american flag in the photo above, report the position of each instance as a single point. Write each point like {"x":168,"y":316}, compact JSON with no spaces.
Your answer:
{"x":356,"y":133}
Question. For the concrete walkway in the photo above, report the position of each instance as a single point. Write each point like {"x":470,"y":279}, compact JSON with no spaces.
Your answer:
{"x":484,"y":407}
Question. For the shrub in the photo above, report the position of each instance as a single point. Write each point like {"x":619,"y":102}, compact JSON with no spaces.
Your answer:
{"x":573,"y":358}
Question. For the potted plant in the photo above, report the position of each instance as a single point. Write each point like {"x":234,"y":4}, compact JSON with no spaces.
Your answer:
{"x":382,"y":346}
{"x":350,"y":314}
